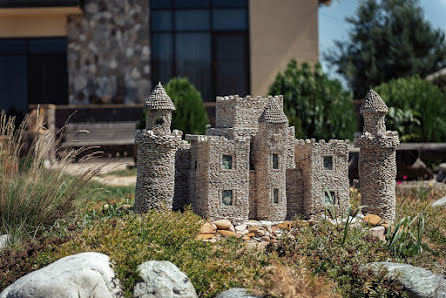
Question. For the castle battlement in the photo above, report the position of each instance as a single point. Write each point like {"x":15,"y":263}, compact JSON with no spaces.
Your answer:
{"x":368,"y":140}
{"x":167,"y":140}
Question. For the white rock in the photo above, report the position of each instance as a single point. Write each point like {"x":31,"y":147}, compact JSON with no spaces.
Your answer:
{"x":163,"y":279}
{"x":82,"y":275}
{"x":241,"y":227}
{"x":4,"y":239}
{"x":440,"y":203}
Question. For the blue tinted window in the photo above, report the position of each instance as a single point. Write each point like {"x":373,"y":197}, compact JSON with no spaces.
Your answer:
{"x":162,"y":55}
{"x":229,"y":3}
{"x":12,"y":46}
{"x":47,"y":46}
{"x":160,"y":4}
{"x":193,"y":60}
{"x":161,"y":20}
{"x":192,"y":3}
{"x":13,"y":82}
{"x":230,"y":19}
{"x":192,"y":20}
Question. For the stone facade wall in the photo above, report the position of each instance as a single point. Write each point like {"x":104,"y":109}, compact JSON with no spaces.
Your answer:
{"x":215,"y":179}
{"x":182,"y":169}
{"x":294,"y":192}
{"x":109,"y":52}
{"x":317,"y":180}
{"x":271,"y":139}
{"x":242,"y":112}
{"x":252,"y":195}
{"x":377,"y":172}
{"x":156,"y":170}
{"x":377,"y":169}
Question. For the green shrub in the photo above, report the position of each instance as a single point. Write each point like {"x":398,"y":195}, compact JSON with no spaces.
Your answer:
{"x":190,"y":115}
{"x":317,"y":106}
{"x":440,"y":82}
{"x":417,"y":109}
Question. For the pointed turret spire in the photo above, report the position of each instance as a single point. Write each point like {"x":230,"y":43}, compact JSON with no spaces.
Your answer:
{"x":373,"y":103}
{"x":159,"y":100}
{"x":274,"y":114}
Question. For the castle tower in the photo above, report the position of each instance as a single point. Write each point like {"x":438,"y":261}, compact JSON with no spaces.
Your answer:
{"x":157,"y":145}
{"x":377,"y":159}
{"x":271,"y":146}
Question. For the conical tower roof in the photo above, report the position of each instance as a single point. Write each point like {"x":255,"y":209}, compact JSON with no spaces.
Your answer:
{"x":274,"y":114}
{"x":159,"y":100}
{"x":373,"y":103}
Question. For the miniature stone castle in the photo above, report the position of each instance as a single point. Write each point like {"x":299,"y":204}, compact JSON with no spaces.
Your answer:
{"x":250,"y":166}
{"x":377,"y":159}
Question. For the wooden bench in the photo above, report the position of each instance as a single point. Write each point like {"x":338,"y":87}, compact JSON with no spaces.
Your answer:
{"x":78,"y":135}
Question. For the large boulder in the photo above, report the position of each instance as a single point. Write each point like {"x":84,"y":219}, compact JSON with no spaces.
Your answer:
{"x":82,"y":275}
{"x":418,"y":281}
{"x":236,"y":293}
{"x":162,"y":279}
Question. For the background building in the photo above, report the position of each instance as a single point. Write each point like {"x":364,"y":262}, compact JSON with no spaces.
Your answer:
{"x":112,"y":52}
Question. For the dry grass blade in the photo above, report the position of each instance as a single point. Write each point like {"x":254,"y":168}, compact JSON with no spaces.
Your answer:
{"x":33,"y":191}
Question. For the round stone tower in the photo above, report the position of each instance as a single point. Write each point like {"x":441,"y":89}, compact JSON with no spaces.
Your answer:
{"x":270,"y":152}
{"x":155,"y":182}
{"x":377,"y":159}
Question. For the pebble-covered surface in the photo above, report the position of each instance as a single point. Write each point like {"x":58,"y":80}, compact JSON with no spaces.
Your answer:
{"x":258,"y":233}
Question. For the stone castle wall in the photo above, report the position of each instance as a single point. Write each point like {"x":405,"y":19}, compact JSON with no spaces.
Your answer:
{"x":156,"y":170}
{"x":294,"y":192}
{"x":182,"y":169}
{"x":377,"y":170}
{"x":318,"y":180}
{"x":109,"y":52}
{"x":214,"y":179}
{"x":242,"y":112}
{"x":271,"y":139}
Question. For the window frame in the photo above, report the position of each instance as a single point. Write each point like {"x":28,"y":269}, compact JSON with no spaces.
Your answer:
{"x":213,"y":33}
{"x":232,"y":161}
{"x":332,"y":162}
{"x":334,"y":195}
{"x":274,"y":196}
{"x":232,"y":198}
{"x":278,"y":161}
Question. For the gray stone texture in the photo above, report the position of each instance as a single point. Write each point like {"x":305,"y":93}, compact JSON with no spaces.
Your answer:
{"x":162,"y":279}
{"x":82,"y":275}
{"x":235,"y":293}
{"x":377,"y":159}
{"x":250,"y":166}
{"x":418,"y":281}
{"x":108,"y":52}
{"x":440,"y":202}
{"x":157,"y":151}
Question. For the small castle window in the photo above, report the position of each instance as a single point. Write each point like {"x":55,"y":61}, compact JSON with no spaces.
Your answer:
{"x":226,"y":198}
{"x":227,"y":162}
{"x":330,"y":198}
{"x":328,"y":162}
{"x":276,"y":196}
{"x":275,"y":161}
{"x":159,"y":121}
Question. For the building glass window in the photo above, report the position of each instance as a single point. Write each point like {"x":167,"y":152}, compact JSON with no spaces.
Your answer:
{"x":275,"y":161}
{"x":226,"y":198}
{"x":330,"y":198}
{"x":227,"y":162}
{"x":33,"y":71}
{"x":276,"y":196}
{"x":328,"y":162}
{"x":206,"y":41}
